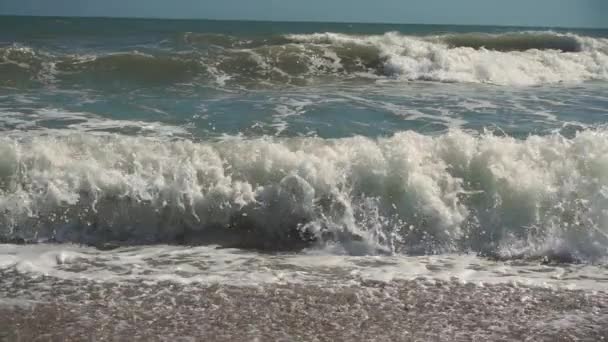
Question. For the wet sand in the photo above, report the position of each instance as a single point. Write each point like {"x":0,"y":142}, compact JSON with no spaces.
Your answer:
{"x":45,"y":309}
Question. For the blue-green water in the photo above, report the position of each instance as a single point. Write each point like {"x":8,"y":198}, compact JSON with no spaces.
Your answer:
{"x":208,"y":78}
{"x":401,"y":138}
{"x":381,"y":166}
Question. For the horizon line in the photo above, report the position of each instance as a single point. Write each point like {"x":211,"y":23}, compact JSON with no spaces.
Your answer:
{"x":300,"y":21}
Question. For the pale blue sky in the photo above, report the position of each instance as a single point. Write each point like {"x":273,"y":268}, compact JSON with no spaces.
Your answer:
{"x":571,"y":13}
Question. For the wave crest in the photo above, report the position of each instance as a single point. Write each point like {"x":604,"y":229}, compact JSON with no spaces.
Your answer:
{"x":463,"y":58}
{"x":525,"y":58}
{"x":410,"y":193}
{"x":517,"y":41}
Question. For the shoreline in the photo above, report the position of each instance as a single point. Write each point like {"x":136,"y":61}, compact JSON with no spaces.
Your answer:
{"x":397,"y":311}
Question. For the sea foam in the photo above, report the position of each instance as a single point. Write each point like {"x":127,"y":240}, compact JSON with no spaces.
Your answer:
{"x":408,"y":193}
{"x":509,"y":59}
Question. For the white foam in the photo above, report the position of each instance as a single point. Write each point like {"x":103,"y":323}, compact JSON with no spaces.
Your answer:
{"x":473,"y":105}
{"x":520,"y":196}
{"x":417,"y":58}
{"x":209,"y":265}
{"x":37,"y":119}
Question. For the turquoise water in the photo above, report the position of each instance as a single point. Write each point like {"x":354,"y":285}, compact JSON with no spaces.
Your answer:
{"x":382,"y":138}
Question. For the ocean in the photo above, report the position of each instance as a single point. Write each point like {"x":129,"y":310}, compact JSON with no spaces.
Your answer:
{"x":234,"y":180}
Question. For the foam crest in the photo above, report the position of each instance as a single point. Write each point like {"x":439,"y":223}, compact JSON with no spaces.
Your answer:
{"x":409,"y":193}
{"x":20,"y":65}
{"x":483,"y":59}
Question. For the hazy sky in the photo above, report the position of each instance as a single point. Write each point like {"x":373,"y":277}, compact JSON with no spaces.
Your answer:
{"x":573,"y":13}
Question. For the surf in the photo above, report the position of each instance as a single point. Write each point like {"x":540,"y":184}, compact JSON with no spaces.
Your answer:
{"x":507,"y":59}
{"x":408,"y":193}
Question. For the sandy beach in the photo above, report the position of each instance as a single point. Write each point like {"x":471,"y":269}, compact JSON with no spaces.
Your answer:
{"x":52,"y":310}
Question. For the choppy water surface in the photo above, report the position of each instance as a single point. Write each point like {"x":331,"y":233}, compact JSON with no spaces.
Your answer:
{"x":302,"y":154}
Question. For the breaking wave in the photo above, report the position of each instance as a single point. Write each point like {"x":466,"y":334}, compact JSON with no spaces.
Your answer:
{"x":516,"y":41}
{"x":508,"y":59}
{"x":409,"y":193}
{"x":520,"y":58}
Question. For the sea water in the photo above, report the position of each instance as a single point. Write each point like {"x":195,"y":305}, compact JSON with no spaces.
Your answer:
{"x":251,"y":153}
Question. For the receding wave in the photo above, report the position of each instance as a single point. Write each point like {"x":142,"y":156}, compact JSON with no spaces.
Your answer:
{"x":408,"y":193}
{"x":525,"y":58}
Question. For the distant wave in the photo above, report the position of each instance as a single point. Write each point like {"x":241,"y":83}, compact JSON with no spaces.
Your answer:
{"x":508,"y":59}
{"x":516,"y":41}
{"x":521,"y":58}
{"x":409,"y":193}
